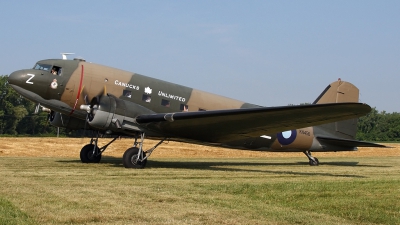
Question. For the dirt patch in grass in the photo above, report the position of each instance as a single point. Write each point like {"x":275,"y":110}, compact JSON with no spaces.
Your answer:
{"x":70,"y":148}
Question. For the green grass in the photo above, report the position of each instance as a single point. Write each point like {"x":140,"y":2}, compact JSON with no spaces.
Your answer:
{"x":10,"y":215}
{"x":201,"y":191}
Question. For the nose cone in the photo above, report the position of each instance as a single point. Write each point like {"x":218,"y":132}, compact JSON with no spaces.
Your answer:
{"x":32,"y":83}
{"x":25,"y":80}
{"x":17,"y":77}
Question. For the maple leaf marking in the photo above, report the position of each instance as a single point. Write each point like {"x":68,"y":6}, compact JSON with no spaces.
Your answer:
{"x":148,"y":90}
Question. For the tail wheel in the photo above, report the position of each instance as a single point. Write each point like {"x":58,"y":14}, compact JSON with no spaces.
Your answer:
{"x":87,"y":155}
{"x":130,"y":159}
{"x":314,"y":162}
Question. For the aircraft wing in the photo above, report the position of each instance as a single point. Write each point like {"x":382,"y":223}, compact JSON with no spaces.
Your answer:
{"x":228,"y":125}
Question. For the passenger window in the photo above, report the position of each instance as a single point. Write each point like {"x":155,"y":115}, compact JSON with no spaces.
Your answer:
{"x":127,"y":94}
{"x":184,"y":107}
{"x":165,"y":103}
{"x":146,"y":98}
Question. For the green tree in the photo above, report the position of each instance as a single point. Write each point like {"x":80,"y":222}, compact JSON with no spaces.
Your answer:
{"x":11,"y":107}
{"x":379,"y":126}
{"x":16,"y":114}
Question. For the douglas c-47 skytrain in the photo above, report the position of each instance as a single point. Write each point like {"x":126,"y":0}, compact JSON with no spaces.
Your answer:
{"x":82,"y":95}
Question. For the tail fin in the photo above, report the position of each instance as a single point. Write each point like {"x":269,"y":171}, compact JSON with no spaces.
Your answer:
{"x":338,"y":91}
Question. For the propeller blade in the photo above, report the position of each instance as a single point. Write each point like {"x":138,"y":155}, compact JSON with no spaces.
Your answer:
{"x":85,"y":95}
{"x":102,"y":93}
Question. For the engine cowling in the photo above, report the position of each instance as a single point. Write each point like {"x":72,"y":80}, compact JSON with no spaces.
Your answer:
{"x":110,"y":113}
{"x":61,"y":120}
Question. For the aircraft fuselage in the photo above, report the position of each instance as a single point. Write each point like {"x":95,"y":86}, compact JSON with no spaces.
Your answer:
{"x":75,"y":82}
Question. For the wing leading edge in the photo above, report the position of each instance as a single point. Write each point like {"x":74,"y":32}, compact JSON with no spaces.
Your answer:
{"x":229,"y":125}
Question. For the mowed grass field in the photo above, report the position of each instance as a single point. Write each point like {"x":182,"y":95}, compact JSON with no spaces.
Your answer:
{"x":42,"y":181}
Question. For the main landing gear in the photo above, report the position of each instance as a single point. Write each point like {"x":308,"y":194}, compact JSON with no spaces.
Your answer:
{"x":313,"y":160}
{"x":133,"y":157}
{"x":91,"y":153}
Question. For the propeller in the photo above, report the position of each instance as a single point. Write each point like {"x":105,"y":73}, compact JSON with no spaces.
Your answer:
{"x":90,"y":106}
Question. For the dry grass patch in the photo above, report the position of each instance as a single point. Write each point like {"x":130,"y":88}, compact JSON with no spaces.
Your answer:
{"x":70,"y":147}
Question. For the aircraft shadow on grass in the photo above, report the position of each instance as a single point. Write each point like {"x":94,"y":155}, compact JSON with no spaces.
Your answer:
{"x":222,"y":166}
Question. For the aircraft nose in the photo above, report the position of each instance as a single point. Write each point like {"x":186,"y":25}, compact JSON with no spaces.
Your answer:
{"x":15,"y":78}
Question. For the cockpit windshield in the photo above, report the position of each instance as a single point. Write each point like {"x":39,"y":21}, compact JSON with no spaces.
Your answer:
{"x":40,"y":66}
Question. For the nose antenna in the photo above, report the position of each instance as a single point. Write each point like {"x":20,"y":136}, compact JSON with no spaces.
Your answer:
{"x":64,"y":55}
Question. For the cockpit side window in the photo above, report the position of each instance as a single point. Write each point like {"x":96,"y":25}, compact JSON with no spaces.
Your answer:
{"x":56,"y":70}
{"x":40,"y":66}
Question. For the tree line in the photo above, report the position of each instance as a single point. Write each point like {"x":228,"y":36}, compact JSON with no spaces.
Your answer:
{"x":17,"y":118}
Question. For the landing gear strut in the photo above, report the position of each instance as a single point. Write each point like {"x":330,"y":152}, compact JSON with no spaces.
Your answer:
{"x":135,"y":157}
{"x":91,"y":153}
{"x":313,"y":160}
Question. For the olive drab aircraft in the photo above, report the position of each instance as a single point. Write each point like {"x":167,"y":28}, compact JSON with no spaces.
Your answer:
{"x":82,"y":95}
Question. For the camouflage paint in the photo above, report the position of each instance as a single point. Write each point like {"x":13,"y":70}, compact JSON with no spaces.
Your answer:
{"x":80,"y":79}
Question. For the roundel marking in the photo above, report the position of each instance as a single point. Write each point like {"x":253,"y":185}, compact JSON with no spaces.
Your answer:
{"x":54,"y":84}
{"x":287,"y":137}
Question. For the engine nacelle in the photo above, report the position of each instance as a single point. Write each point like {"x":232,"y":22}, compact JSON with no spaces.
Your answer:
{"x":61,"y":120}
{"x":110,"y":113}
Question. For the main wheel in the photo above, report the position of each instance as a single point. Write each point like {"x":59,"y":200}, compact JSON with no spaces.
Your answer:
{"x":87,"y":155}
{"x":130,"y":159}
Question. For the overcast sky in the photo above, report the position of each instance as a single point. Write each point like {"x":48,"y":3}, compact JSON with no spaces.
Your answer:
{"x":264,"y":52}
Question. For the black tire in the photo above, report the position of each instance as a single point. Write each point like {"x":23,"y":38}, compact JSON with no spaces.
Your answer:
{"x":129,"y":159}
{"x":87,"y":154}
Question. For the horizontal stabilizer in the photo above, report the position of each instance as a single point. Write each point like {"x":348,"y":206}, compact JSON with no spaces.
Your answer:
{"x":349,"y":143}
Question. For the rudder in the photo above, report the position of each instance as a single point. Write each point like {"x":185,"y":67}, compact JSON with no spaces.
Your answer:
{"x":336,"y":92}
